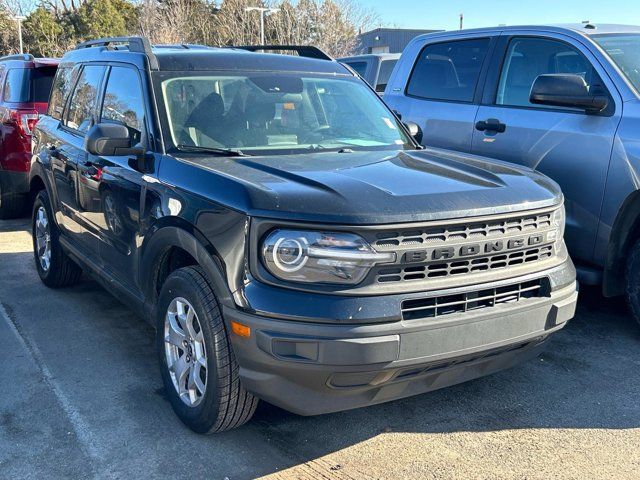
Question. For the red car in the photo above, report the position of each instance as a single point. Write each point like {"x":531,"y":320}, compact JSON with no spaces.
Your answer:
{"x":25,"y":84}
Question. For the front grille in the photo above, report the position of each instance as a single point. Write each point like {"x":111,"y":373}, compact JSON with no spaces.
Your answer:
{"x":433,"y":307}
{"x":466,"y":231}
{"x":459,"y":267}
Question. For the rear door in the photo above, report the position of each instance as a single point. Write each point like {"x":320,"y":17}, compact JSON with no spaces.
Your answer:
{"x":442,"y":93}
{"x":68,"y":155}
{"x":568,"y":145}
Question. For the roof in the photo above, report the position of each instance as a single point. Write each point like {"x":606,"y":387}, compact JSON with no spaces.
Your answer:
{"x":203,"y":58}
{"x":588,"y":29}
{"x":28,"y":60}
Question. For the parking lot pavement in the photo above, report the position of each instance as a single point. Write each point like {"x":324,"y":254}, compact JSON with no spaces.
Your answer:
{"x":81,"y":397}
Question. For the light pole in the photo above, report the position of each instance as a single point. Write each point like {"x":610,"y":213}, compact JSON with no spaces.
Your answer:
{"x":263,"y":11}
{"x":19,"y":19}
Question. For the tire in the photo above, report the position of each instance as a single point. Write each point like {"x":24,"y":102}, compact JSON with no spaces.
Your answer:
{"x":218,"y":402}
{"x":633,"y":281}
{"x":59,"y":271}
{"x":12,"y":205}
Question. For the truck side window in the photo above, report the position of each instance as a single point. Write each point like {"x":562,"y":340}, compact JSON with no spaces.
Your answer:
{"x":83,"y":99}
{"x":448,"y":71}
{"x":359,"y":67}
{"x":123,"y":102}
{"x":529,"y":57}
{"x":386,"y":68}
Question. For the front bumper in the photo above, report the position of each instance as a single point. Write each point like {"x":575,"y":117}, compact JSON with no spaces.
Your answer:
{"x":313,"y":368}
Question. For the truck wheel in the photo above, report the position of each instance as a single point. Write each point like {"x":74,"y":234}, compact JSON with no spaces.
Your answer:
{"x":633,"y":281}
{"x":54,"y":266}
{"x":199,"y":369}
{"x":12,"y":205}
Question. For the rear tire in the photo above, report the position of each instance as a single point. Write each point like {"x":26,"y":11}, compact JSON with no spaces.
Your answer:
{"x":199,"y":369}
{"x":12,"y":205}
{"x":54,"y":266}
{"x":633,"y":281}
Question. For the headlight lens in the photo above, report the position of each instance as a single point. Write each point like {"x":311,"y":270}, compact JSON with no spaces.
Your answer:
{"x":558,"y":223}
{"x":320,"y":257}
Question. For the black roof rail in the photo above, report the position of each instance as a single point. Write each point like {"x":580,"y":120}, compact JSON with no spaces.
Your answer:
{"x":135,"y":44}
{"x":27,"y":57}
{"x":302,"y":50}
{"x":185,"y":46}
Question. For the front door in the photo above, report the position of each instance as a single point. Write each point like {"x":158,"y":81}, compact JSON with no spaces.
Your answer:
{"x":568,"y":145}
{"x":442,"y":95}
{"x":111,"y":187}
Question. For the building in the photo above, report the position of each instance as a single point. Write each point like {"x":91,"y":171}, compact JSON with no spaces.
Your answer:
{"x":387,"y":40}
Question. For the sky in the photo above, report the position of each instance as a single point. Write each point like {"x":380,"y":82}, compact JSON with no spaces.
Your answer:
{"x":444,"y":14}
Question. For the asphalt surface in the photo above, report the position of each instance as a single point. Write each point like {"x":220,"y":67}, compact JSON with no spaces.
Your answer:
{"x":81,"y":397}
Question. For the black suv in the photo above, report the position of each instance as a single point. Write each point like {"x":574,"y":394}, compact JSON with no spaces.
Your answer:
{"x":287,"y":236}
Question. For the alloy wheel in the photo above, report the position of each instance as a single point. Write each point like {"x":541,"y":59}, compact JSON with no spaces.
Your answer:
{"x":43,"y":238}
{"x":185,"y":351}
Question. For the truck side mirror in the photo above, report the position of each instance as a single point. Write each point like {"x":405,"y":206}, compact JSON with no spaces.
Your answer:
{"x":566,"y":90}
{"x":414,"y":130}
{"x":110,"y":139}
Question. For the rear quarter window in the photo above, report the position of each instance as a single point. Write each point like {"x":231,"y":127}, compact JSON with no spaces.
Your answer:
{"x":359,"y":67}
{"x":60,"y":89}
{"x":16,"y":86}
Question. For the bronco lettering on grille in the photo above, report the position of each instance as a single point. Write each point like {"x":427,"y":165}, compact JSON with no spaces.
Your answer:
{"x":472,"y":249}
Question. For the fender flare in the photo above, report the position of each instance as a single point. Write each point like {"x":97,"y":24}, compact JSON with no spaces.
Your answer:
{"x":625,"y":231}
{"x":183,"y":235}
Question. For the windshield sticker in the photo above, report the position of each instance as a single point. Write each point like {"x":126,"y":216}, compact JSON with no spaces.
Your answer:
{"x":389,"y":123}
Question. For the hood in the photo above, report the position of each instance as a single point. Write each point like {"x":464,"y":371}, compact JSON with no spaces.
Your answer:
{"x":370,"y":187}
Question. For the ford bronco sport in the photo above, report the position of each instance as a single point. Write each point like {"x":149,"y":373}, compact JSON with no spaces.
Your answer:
{"x":287,"y":236}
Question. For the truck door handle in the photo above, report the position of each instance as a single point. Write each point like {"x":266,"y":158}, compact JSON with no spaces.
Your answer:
{"x":491,"y":125}
{"x":54,"y":152}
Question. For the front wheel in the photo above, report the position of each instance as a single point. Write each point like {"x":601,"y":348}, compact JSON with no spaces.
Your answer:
{"x":199,"y":369}
{"x":633,"y":281}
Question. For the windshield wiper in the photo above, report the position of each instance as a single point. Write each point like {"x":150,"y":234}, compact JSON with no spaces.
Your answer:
{"x":228,"y":152}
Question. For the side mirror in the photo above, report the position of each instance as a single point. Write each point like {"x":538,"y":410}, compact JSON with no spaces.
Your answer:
{"x":414,"y":130}
{"x":110,"y":139}
{"x":566,"y":90}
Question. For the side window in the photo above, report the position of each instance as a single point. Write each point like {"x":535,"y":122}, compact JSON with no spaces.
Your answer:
{"x":62,"y":84}
{"x":386,"y":67}
{"x":448,"y":71}
{"x":16,"y":86}
{"x":83,"y":99}
{"x":359,"y":67}
{"x":3,"y":72}
{"x":527,"y":58}
{"x":123,"y":102}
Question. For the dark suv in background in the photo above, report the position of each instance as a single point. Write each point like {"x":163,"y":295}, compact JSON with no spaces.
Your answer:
{"x":287,"y":236}
{"x":25,"y":84}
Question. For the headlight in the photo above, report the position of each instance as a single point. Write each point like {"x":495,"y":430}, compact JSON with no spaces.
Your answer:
{"x":320,"y":257}
{"x":558,"y":219}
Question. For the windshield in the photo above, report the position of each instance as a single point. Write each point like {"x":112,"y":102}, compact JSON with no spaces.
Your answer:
{"x":624,"y":51}
{"x":273,"y":114}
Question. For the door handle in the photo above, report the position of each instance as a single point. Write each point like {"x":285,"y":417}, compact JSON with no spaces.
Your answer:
{"x":54,"y":152}
{"x":491,"y":125}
